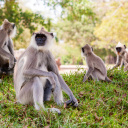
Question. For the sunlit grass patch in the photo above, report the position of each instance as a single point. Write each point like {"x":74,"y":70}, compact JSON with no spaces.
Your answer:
{"x":101,"y":104}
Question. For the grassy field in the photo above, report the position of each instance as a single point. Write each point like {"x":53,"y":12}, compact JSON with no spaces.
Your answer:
{"x":101,"y":104}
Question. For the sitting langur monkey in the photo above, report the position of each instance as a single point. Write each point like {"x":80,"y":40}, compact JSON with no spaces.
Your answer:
{"x":36,"y":74}
{"x":122,"y":54}
{"x":96,"y":66}
{"x":7,"y":59}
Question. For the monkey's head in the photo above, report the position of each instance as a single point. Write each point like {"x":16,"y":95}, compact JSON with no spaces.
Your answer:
{"x":86,"y":49}
{"x":42,"y":39}
{"x":10,"y":28}
{"x":120,"y":48}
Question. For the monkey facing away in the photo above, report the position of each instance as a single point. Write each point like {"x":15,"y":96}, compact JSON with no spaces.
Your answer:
{"x":36,"y":74}
{"x":7,"y":59}
{"x":122,"y":54}
{"x":96,"y":66}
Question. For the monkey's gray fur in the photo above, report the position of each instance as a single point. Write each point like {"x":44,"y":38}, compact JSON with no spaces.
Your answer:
{"x":7,"y":59}
{"x":122,"y":54}
{"x":96,"y":66}
{"x":36,"y":74}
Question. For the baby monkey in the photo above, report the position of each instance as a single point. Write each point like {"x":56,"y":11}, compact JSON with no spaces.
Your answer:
{"x":96,"y":66}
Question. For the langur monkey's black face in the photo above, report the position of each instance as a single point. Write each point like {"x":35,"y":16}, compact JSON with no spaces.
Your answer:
{"x":40,"y":39}
{"x":120,"y":48}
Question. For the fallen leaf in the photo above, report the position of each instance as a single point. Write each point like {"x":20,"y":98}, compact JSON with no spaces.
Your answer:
{"x":46,"y":126}
{"x":124,"y":95}
{"x":98,"y":118}
{"x":81,"y":94}
{"x":65,"y":105}
{"x":92,"y":98}
{"x":115,"y":90}
{"x":111,"y":113}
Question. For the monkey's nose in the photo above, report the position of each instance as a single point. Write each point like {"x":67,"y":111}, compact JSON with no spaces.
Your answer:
{"x":52,"y":34}
{"x":13,"y":25}
{"x":82,"y":50}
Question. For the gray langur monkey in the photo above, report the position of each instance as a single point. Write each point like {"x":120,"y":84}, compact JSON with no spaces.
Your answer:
{"x":7,"y":59}
{"x":36,"y":74}
{"x":96,"y":66}
{"x":122,"y":54}
{"x":125,"y":66}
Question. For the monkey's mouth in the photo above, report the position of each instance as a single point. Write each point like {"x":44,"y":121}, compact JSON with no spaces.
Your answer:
{"x":118,"y":53}
{"x":40,"y":39}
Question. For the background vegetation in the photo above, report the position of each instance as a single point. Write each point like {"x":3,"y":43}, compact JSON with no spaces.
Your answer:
{"x":97,"y":22}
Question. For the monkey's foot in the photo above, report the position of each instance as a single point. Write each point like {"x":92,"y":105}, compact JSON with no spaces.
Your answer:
{"x":72,"y":102}
{"x":54,"y":110}
{"x":85,"y":78}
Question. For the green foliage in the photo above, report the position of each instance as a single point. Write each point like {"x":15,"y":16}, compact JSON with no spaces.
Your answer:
{"x":77,"y":22}
{"x":24,"y":20}
{"x":69,"y":54}
{"x":101,"y":104}
{"x":113,"y":27}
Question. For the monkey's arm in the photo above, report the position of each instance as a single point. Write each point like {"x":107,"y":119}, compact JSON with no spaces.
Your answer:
{"x":89,"y":71}
{"x":67,"y":90}
{"x":30,"y":69}
{"x":53,"y":67}
{"x":8,"y":56}
{"x":3,"y":53}
{"x":10,"y":47}
{"x":118,"y":62}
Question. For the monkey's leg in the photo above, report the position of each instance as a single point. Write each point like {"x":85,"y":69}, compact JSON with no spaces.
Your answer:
{"x":47,"y":91}
{"x":94,"y":75}
{"x":38,"y":93}
{"x":107,"y":79}
{"x":122,"y":64}
{"x":32,"y":93}
{"x":25,"y":95}
{"x":89,"y":72}
{"x":118,"y":62}
{"x":57,"y":93}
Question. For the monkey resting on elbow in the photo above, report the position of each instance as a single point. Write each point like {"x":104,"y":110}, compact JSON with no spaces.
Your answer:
{"x":122,"y":54}
{"x":36,"y":74}
{"x":7,"y":59}
{"x":96,"y":66}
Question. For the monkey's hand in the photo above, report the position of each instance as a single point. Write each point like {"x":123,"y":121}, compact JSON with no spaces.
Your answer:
{"x":85,"y":78}
{"x":73,"y":102}
{"x":52,"y":80}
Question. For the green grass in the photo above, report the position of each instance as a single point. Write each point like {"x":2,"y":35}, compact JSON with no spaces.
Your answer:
{"x":101,"y":104}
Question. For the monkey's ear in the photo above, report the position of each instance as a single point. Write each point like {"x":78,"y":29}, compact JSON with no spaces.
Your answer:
{"x":125,"y":46}
{"x":92,"y":48}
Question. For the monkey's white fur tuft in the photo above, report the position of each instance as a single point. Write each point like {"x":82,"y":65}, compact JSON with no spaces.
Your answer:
{"x":47,"y":46}
{"x":13,"y":33}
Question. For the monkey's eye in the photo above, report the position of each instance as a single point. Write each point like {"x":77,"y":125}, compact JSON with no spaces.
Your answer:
{"x":82,"y":49}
